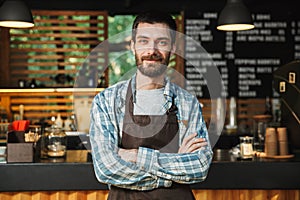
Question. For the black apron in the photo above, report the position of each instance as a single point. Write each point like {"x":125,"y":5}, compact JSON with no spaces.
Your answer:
{"x":158,"y":132}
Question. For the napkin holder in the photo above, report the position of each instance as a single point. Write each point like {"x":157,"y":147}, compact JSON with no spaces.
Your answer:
{"x":19,"y":151}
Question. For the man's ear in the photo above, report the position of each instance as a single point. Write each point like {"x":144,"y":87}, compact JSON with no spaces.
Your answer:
{"x":132,"y":47}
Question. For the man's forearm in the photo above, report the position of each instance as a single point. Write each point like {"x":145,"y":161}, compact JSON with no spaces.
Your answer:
{"x":129,"y":155}
{"x":181,"y":168}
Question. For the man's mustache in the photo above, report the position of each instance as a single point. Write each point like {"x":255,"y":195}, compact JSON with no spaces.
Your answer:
{"x":154,"y":57}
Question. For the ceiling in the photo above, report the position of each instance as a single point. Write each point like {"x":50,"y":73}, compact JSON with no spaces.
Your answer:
{"x":136,"y":6}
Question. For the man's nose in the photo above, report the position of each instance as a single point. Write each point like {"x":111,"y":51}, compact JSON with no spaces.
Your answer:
{"x":151,"y":47}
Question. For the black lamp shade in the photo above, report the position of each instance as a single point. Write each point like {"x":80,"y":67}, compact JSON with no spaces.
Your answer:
{"x":15,"y":14}
{"x":235,"y":17}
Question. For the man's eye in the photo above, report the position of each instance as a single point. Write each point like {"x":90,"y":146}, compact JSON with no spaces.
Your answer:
{"x":142,"y":41}
{"x":163,"y":43}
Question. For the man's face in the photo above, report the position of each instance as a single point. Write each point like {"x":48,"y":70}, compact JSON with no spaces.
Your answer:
{"x":152,"y":48}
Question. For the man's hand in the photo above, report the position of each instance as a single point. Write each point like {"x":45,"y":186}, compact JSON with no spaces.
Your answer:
{"x":191,"y":144}
{"x":129,"y":155}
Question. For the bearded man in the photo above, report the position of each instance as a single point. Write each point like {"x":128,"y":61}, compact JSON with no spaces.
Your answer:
{"x":148,"y":136}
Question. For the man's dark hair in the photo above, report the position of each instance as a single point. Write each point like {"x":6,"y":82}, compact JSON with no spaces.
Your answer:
{"x":155,"y":17}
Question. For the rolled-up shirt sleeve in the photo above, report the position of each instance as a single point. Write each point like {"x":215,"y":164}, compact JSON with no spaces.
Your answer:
{"x":182,"y":168}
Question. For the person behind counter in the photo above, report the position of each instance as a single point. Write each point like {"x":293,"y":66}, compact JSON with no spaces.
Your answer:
{"x":148,"y":136}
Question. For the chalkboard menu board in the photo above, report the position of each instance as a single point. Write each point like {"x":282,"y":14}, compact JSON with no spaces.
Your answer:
{"x":246,"y":59}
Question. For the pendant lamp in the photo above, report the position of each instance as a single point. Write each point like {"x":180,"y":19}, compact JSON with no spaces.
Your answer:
{"x":15,"y":14}
{"x":235,"y":17}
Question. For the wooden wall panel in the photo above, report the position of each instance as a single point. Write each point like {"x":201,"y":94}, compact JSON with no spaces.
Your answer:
{"x":50,"y":102}
{"x":58,"y":44}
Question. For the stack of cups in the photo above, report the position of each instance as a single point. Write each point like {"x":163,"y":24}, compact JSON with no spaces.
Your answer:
{"x":282,"y":140}
{"x":271,"y":148}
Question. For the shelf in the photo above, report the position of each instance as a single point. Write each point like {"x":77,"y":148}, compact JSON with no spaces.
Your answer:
{"x":34,"y":90}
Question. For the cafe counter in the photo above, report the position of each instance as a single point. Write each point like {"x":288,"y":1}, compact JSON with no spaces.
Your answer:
{"x":228,"y":175}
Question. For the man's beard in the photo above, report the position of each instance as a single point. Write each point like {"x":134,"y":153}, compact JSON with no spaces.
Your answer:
{"x":152,"y":69}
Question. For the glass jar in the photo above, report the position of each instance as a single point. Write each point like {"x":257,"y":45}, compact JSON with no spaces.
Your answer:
{"x":54,"y":143}
{"x":261,"y":122}
{"x":246,"y":147}
{"x":33,"y":134}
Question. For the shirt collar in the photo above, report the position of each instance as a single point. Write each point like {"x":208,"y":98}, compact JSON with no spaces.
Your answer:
{"x":168,"y":90}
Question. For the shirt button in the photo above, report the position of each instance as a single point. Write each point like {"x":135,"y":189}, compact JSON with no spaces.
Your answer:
{"x":169,"y":183}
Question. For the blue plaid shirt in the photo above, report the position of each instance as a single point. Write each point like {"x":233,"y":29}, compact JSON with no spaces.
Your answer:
{"x":153,"y":169}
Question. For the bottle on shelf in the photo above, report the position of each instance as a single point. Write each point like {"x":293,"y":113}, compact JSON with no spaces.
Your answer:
{"x":101,"y":81}
{"x":67,"y":124}
{"x":33,"y":84}
{"x":73,"y":125}
{"x":232,"y":126}
{"x":58,"y":121}
{"x":268,"y":107}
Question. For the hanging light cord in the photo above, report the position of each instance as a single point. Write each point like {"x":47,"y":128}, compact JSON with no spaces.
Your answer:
{"x":290,"y":109}
{"x":284,"y":101}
